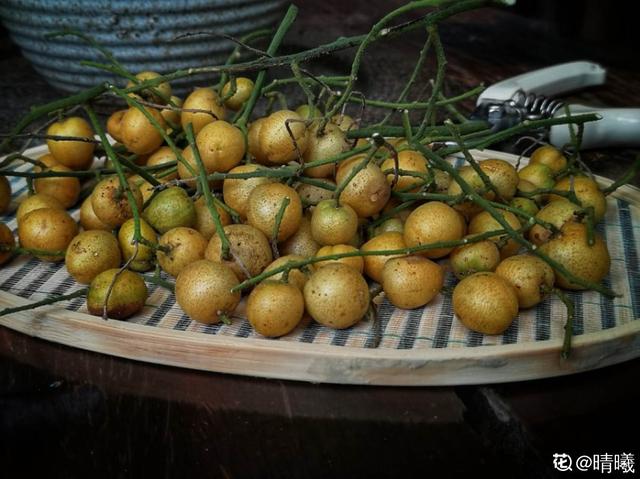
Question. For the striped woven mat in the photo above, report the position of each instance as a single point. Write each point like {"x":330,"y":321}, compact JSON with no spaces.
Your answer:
{"x":434,"y":326}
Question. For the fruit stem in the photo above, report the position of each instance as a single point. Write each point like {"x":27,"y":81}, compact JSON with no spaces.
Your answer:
{"x":337,"y":81}
{"x":391,"y":213}
{"x":332,"y":257}
{"x":276,"y":227}
{"x":530,"y":219}
{"x":354,"y":171}
{"x":235,"y":54}
{"x":44,"y":302}
{"x":568,"y":194}
{"x":406,"y":123}
{"x":30,"y":251}
{"x":232,"y":91}
{"x":568,"y":327}
{"x":451,"y":108}
{"x":284,"y":26}
{"x":38,"y":112}
{"x":139,"y":171}
{"x":426,"y":195}
{"x":42,"y":136}
{"x":417,"y":105}
{"x":381,"y":142}
{"x":380,"y":30}
{"x":159,"y":281}
{"x":626,"y":178}
{"x":80,"y":173}
{"x":224,"y":318}
{"x":208,"y":197}
{"x":485,"y":204}
{"x":441,"y":64}
{"x":455,"y":132}
{"x":254,"y":65}
{"x":132,"y":102}
{"x":297,"y":74}
{"x":440,"y":131}
{"x":316,"y":182}
{"x":118,"y":168}
{"x":124,"y":184}
{"x":523,"y":127}
{"x":235,"y":216}
{"x":339,"y":157}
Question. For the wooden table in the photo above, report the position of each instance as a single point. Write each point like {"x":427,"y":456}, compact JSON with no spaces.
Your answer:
{"x":70,"y":413}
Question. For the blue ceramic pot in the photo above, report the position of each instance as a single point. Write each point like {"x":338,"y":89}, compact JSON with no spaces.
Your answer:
{"x":141,"y":34}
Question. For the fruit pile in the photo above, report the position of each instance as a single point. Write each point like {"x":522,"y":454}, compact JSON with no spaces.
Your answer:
{"x":301,"y":211}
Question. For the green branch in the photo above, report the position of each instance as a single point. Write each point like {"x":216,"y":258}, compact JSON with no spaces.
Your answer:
{"x":284,"y":26}
{"x":333,"y":257}
{"x":44,"y":302}
{"x":208,"y":197}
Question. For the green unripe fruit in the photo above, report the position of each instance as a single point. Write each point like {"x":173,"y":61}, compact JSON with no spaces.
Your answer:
{"x":128,"y":295}
{"x":170,"y":209}
{"x":145,"y":255}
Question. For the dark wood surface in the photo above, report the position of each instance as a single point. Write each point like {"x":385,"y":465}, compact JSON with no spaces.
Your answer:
{"x":71,"y":413}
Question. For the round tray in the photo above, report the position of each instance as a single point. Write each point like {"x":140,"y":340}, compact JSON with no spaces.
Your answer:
{"x":426,"y":346}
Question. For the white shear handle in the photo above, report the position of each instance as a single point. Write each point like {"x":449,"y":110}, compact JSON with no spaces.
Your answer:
{"x":618,"y":127}
{"x":550,"y":81}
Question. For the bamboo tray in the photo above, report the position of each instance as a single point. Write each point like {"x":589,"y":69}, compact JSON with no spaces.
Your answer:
{"x":428,"y":346}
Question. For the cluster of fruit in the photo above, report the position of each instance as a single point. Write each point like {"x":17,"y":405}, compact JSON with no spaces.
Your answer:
{"x":291,"y":210}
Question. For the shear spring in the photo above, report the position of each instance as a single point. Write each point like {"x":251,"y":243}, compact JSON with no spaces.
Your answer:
{"x":534,"y":107}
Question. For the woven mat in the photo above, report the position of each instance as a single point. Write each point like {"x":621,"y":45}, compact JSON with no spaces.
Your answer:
{"x":434,"y":326}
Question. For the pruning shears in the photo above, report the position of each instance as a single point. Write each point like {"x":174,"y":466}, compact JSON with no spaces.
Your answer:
{"x":534,"y":95}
